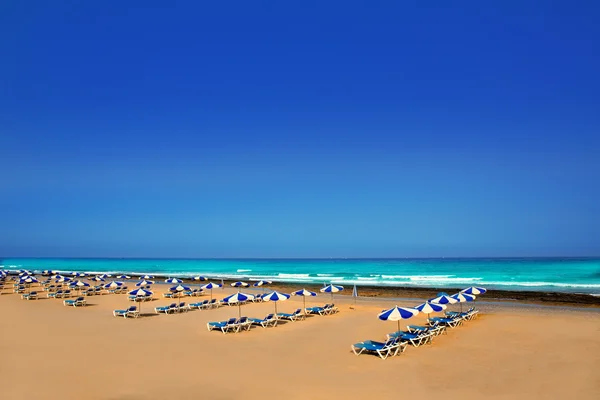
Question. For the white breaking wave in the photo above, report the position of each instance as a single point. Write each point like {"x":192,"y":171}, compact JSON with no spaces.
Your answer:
{"x":244,"y":270}
{"x":298,"y":276}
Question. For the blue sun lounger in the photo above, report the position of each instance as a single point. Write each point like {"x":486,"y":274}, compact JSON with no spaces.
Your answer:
{"x":266,"y":322}
{"x":131,"y":312}
{"x":416,"y":339}
{"x":29,"y":296}
{"x":391,"y":347}
{"x":449,"y":322}
{"x":223,"y":326}
{"x":78,"y":302}
{"x":164,"y":309}
{"x":295,"y":316}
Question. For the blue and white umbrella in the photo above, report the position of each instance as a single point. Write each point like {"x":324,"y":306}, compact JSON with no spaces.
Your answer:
{"x":104,"y":276}
{"x":474,"y":290}
{"x":173,"y":280}
{"x":304,"y":293}
{"x":354,"y":294}
{"x":62,"y":279}
{"x":179,"y":289}
{"x":462,"y":298}
{"x":147,"y":277}
{"x":210,"y":286}
{"x":428,"y":308}
{"x":79,"y":274}
{"x":200,"y":278}
{"x":443,"y":298}
{"x":397,"y":314}
{"x":123,"y":277}
{"x":144,"y":283}
{"x":262,"y":283}
{"x":79,"y":284}
{"x":113,"y":285}
{"x":275,"y":297}
{"x":98,"y":279}
{"x":332,"y":289}
{"x":238,"y":298}
{"x":140,"y":295}
{"x":239,"y":284}
{"x":28,"y":279}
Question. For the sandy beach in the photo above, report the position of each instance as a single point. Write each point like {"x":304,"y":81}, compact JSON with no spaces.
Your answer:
{"x":49,"y":351}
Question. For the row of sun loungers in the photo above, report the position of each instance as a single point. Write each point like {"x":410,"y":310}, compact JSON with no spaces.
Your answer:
{"x":240,"y":324}
{"x":327,"y":309}
{"x":171,"y":308}
{"x":415,"y":335}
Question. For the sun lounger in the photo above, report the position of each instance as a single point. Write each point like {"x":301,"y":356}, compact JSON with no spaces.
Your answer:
{"x":391,"y":347}
{"x":295,"y":316}
{"x":131,"y":312}
{"x":258,"y":298}
{"x":197,"y":305}
{"x":316,"y":310}
{"x":449,"y":322}
{"x":78,"y":302}
{"x":164,"y":309}
{"x":29,"y":296}
{"x":56,"y":294}
{"x":269,"y":320}
{"x":330,"y":308}
{"x":243,"y":323}
{"x":435,"y":330}
{"x":224,"y":326}
{"x":416,"y":339}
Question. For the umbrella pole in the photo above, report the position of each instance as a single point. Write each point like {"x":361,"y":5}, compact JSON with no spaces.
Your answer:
{"x":304,"y":304}
{"x":275,"y":309}
{"x":398,"y":325}
{"x":239,"y":309}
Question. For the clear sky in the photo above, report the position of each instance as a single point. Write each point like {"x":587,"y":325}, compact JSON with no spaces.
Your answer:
{"x":299,"y":129}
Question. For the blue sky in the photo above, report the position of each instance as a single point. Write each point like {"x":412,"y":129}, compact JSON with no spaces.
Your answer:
{"x":312,"y":129}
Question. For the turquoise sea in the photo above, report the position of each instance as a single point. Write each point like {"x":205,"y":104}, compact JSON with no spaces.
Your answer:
{"x":580,"y":275}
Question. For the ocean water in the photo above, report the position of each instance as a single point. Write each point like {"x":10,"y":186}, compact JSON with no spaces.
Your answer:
{"x":560,"y":275}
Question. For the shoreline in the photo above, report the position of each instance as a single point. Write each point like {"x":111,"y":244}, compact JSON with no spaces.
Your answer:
{"x":403,"y":292}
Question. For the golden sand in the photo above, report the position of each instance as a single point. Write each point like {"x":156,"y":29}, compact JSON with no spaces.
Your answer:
{"x":48,"y":351}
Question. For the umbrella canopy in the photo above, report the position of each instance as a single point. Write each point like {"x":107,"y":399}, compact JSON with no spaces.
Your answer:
{"x":443,"y":298}
{"x":98,"y":279}
{"x":147,"y":277}
{"x":474,"y":290}
{"x":80,"y":284}
{"x":104,"y":276}
{"x":238,"y":298}
{"x":48,"y":272}
{"x":144,"y":283}
{"x":140,"y":294}
{"x":397,"y":314}
{"x":24,"y":273}
{"x":113,"y":285}
{"x":428,"y":308}
{"x":123,"y":277}
{"x":304,"y":293}
{"x":200,"y":278}
{"x":61,"y":279}
{"x":28,"y":279}
{"x":332,"y":289}
{"x":239,"y":284}
{"x":173,"y":280}
{"x":210,"y":286}
{"x":275,"y":297}
{"x":79,"y":274}
{"x":179,"y":288}
{"x":462,"y":298}
{"x":262,"y":283}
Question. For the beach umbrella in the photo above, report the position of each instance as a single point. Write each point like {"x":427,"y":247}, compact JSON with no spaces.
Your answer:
{"x":104,"y":276}
{"x":79,"y":274}
{"x":179,"y":289}
{"x":428,"y":308}
{"x":332,"y":289}
{"x":239,"y":284}
{"x":354,"y":294}
{"x":262,"y":283}
{"x":200,"y":278}
{"x":397,"y":314}
{"x":238,"y":298}
{"x":48,"y":272}
{"x":144,"y":283}
{"x":462,"y":298}
{"x":147,"y":277}
{"x":275,"y":297}
{"x":123,"y":277}
{"x":79,"y":284}
{"x":97,"y":279}
{"x":24,"y":273}
{"x":474,"y":290}
{"x":173,"y":280}
{"x":140,"y":295}
{"x":210,"y":286}
{"x":304,"y":293}
{"x":443,"y":298}
{"x":113,"y":285}
{"x":28,"y":280}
